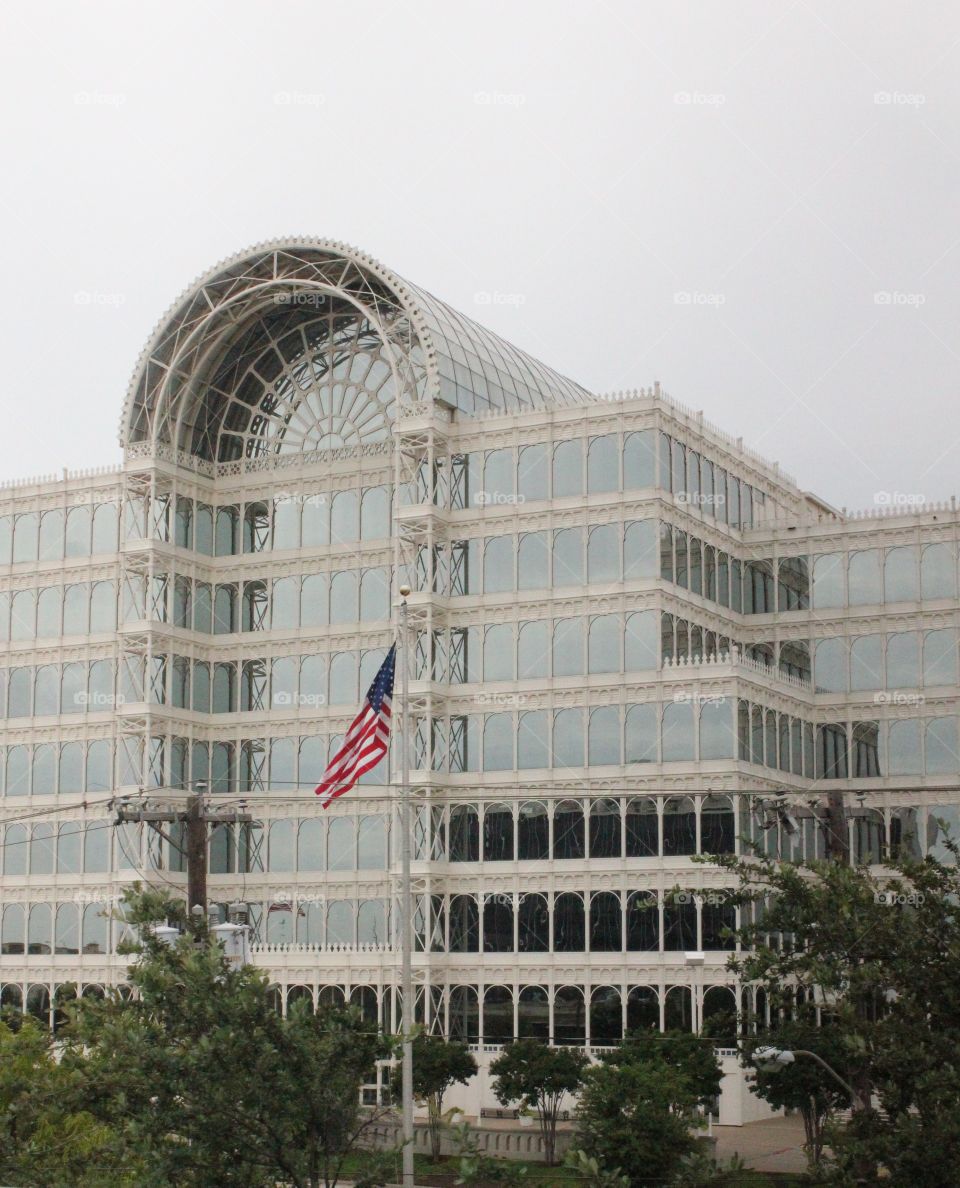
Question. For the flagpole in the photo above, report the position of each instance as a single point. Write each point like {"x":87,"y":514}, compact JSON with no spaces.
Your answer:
{"x":406,"y":903}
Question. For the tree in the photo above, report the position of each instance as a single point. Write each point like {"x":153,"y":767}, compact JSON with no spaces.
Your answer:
{"x":694,"y":1057}
{"x":437,"y":1065}
{"x":207,"y":1083}
{"x":805,"y":1085}
{"x":636,"y":1117}
{"x":46,"y":1136}
{"x":539,"y":1077}
{"x":880,"y":954}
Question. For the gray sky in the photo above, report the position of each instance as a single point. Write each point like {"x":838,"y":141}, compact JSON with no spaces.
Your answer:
{"x":712,"y":195}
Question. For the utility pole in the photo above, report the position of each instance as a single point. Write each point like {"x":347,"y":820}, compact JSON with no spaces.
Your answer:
{"x":195,"y":819}
{"x":406,"y":903}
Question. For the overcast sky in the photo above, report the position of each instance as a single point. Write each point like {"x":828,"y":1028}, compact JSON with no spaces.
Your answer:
{"x":754,"y":203}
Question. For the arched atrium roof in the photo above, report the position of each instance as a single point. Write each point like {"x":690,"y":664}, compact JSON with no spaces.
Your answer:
{"x":306,"y":344}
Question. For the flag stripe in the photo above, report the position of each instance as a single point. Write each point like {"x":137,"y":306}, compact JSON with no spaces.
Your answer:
{"x":367,"y":739}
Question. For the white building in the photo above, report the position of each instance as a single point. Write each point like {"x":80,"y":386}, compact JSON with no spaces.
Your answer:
{"x":634,"y":640}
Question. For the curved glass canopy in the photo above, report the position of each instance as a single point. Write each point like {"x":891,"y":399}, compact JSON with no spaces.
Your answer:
{"x":303,"y":346}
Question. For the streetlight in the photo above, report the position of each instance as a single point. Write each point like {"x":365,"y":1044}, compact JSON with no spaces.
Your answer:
{"x":773,"y":1060}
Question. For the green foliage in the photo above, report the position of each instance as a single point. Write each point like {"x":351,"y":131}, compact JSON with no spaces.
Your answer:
{"x":476,"y":1168}
{"x":590,"y":1173}
{"x":692,"y":1056}
{"x":205,"y":1083}
{"x":805,"y":1085}
{"x":437,"y":1065}
{"x":46,"y":1136}
{"x":539,"y":1077}
{"x":635,"y":1116}
{"x":882,"y":955}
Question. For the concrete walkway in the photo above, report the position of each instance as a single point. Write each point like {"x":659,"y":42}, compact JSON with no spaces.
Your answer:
{"x":774,"y":1145}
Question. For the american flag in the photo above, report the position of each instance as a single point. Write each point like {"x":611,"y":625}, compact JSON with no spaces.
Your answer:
{"x":367,"y":739}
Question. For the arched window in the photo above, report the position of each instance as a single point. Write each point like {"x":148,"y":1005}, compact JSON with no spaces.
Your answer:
{"x":866,"y":662}
{"x":606,"y":1016}
{"x":282,"y":846}
{"x":77,"y":540}
{"x":372,"y":843}
{"x":568,"y":557}
{"x":343,"y":679}
{"x":901,"y":574}
{"x":533,"y":832}
{"x":341,"y":844}
{"x":70,"y":778}
{"x":678,"y":734}
{"x":569,"y":934}
{"x":569,"y":1017}
{"x":533,"y":650}
{"x":641,"y":551}
{"x":717,"y":825}
{"x":643,"y":1009}
{"x":498,"y":556}
{"x":568,"y":830}
{"x":69,"y":848}
{"x":309,"y":843}
{"x":568,"y":640}
{"x":940,"y":746}
{"x":66,"y":937}
{"x":375,"y":514}
{"x":464,"y":924}
{"x":375,"y":595}
{"x":603,"y":554}
{"x":533,"y":1013}
{"x":533,"y":473}
{"x":286,"y":522}
{"x":533,"y":739}
{"x":717,"y":740}
{"x":863,"y":578}
{"x":533,"y":562}
{"x":603,"y":464}
{"x":940,"y":657}
{"x":903,"y":745}
{"x":533,"y":923}
{"x":498,"y":833}
{"x":828,"y":580}
{"x":344,"y":518}
{"x":603,"y":646}
{"x":18,"y":771}
{"x":344,"y":597}
{"x":641,"y":641}
{"x":498,"y":922}
{"x":605,"y":829}
{"x":643,"y":922}
{"x":314,"y":605}
{"x":96,"y":928}
{"x":604,"y":736}
{"x":642,"y":828}
{"x":46,"y":691}
{"x":568,"y":469}
{"x":340,"y":922}
{"x":605,"y":923}
{"x":639,"y":460}
{"x":641,"y":734}
{"x":568,"y":738}
{"x":42,"y":846}
{"x":372,"y":923}
{"x":498,"y":742}
{"x":830,"y":666}
{"x":679,"y":827}
{"x":497,"y":1015}
{"x":903,"y":660}
{"x":464,"y":833}
{"x":23,"y":614}
{"x":498,"y":653}
{"x":938,"y":571}
{"x":73,"y":689}
{"x":49,"y":610}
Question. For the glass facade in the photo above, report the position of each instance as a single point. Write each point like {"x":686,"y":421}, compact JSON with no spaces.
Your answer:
{"x":632,"y":643}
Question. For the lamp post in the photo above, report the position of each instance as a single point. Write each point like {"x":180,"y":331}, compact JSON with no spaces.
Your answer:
{"x":406,"y":905}
{"x":777,"y":1059}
